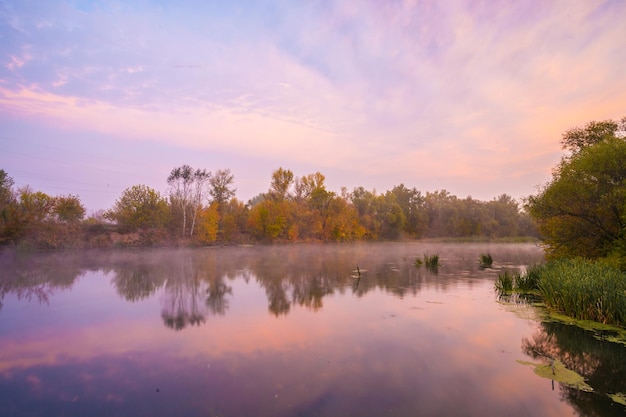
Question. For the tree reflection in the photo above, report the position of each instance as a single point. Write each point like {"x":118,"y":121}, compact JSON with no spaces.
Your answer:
{"x":216,"y":299}
{"x":35,"y":276}
{"x":600,"y":362}
{"x":197,"y":288}
{"x":194,"y":284}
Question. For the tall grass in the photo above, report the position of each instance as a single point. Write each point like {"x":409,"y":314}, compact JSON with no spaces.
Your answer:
{"x":431,"y":261}
{"x":578,"y":288}
{"x":505,"y":283}
{"x":585,"y":290}
{"x":527,"y":282}
{"x":485,"y":260}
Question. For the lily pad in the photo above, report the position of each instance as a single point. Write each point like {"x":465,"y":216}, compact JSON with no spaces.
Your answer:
{"x":559,"y":373}
{"x":606,"y":332}
{"x":618,"y":398}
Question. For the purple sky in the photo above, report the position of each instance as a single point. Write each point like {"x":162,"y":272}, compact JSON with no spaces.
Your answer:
{"x":467,"y":96}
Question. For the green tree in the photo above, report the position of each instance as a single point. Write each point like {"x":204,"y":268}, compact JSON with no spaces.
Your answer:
{"x":504,"y":217}
{"x":221,"y":184}
{"x":411,"y":202}
{"x":366,"y":204}
{"x":578,"y":138}
{"x":34,"y":206}
{"x":8,"y":208}
{"x":140,"y":207}
{"x":69,"y":209}
{"x":582,"y":210}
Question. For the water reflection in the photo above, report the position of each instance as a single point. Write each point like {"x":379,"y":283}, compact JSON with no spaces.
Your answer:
{"x":602,"y":364}
{"x":272,"y":331}
{"x":195,"y":283}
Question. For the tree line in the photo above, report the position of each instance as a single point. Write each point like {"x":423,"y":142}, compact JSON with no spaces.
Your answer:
{"x":200,"y":207}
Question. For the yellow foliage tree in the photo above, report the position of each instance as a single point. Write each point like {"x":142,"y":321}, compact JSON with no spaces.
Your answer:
{"x":207,"y":224}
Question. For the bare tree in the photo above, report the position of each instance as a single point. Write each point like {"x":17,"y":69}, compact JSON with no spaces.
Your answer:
{"x":201,"y":177}
{"x":188,"y":190}
{"x":180,"y":181}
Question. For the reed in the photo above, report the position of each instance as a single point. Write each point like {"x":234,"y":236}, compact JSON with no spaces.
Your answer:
{"x":485,"y":260}
{"x":526,"y":283}
{"x":585,"y":290}
{"x":504,"y":283}
{"x":431,"y":261}
{"x":529,"y":280}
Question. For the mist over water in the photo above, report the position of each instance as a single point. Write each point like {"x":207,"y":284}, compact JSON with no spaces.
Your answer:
{"x":287,"y":330}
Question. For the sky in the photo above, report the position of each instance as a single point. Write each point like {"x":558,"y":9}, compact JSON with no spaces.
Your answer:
{"x":467,"y":96}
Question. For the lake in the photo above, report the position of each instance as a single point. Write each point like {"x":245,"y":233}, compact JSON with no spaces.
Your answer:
{"x":293,"y":330}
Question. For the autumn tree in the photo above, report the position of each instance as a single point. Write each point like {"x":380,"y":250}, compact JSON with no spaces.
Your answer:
{"x":282,"y":180}
{"x":582,"y":210}
{"x":140,"y":207}
{"x":269,"y":219}
{"x":343,"y":223}
{"x":234,"y":218}
{"x":366,"y":204}
{"x":69,"y":209}
{"x":207,"y":224}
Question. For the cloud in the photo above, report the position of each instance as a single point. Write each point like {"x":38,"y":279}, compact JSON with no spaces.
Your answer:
{"x":425,"y":90}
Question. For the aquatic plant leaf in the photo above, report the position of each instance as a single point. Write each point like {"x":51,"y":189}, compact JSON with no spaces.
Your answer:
{"x":559,"y":373}
{"x":618,"y":398}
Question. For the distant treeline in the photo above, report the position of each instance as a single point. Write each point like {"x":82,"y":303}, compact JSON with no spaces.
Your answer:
{"x":200,"y":208}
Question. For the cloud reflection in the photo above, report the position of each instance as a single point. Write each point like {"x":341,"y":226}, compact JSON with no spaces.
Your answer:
{"x":407,"y":340}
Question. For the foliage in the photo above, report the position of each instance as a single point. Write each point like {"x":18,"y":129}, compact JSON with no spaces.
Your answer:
{"x":140,"y":207}
{"x":69,"y":209}
{"x":233,"y":221}
{"x":579,"y":138}
{"x":268,"y":220}
{"x":293,"y":209}
{"x":208,"y":218}
{"x":221,"y":186}
{"x":281,"y":182}
{"x":8,"y":207}
{"x":582,"y":211}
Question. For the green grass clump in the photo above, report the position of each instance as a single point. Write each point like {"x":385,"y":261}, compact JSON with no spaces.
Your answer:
{"x":585,"y":290}
{"x":504,"y":283}
{"x":485,"y":260}
{"x":431,"y":261}
{"x":525,"y":283}
{"x":529,"y":280}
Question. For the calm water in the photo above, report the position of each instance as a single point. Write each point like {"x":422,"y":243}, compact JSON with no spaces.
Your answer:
{"x":286,"y":331}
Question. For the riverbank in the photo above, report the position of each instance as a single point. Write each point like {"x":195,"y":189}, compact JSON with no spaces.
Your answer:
{"x":576,"y":288}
